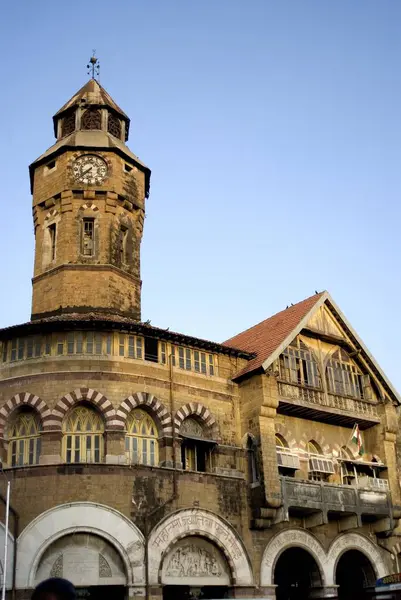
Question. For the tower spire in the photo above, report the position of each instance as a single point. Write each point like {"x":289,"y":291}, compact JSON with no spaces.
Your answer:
{"x":93,"y":66}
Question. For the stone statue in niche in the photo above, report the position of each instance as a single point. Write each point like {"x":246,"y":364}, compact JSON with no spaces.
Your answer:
{"x":192,"y":561}
{"x":191,"y":427}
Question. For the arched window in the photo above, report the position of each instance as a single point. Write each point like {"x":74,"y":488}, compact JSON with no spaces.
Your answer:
{"x":345,"y":379}
{"x":141,"y":445}
{"x":114,"y":125}
{"x":320,"y":467}
{"x":68,"y":124}
{"x":287,"y":461}
{"x":280,"y":441}
{"x":314,"y":448}
{"x":24,"y":439}
{"x":83,"y":431}
{"x":196,"y":447}
{"x":91,"y":119}
{"x":297,"y":365}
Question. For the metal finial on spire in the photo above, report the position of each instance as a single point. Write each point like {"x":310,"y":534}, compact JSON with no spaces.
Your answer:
{"x":93,"y":66}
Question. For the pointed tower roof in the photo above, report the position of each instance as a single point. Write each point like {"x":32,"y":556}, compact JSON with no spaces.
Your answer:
{"x":91,"y":94}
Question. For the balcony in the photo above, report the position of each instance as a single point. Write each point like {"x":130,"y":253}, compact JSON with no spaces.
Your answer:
{"x":322,"y":502}
{"x":314,"y":404}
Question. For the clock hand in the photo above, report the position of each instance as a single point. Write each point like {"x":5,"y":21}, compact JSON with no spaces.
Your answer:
{"x":87,"y":170}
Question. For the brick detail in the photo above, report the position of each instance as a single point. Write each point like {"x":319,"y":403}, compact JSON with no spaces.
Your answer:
{"x":157,"y":409}
{"x":23,"y":399}
{"x":201,"y":413}
{"x":105,"y":407}
{"x":88,"y":206}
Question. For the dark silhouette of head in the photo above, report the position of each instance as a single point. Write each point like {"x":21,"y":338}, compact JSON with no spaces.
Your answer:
{"x":54,"y":588}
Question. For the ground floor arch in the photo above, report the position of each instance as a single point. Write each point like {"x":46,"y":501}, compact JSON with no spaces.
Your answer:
{"x":89,"y":543}
{"x":354,"y":575}
{"x":287,"y":539}
{"x":355,"y":541}
{"x":198,"y":545}
{"x":296,"y":575}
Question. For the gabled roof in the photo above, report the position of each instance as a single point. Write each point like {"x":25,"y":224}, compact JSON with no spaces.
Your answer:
{"x":265,"y":337}
{"x":92,"y":93}
{"x":269,"y":338}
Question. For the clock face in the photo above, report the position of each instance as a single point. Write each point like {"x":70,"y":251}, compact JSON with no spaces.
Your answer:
{"x":90,"y":169}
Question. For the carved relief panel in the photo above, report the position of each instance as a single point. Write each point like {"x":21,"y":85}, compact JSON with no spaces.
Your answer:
{"x":195,"y":561}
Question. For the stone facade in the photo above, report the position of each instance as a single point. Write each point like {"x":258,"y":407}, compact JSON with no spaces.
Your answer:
{"x":195,"y":473}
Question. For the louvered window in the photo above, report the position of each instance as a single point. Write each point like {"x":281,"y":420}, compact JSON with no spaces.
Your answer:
{"x":321,"y":464}
{"x":287,"y":459}
{"x":345,"y":379}
{"x":298,"y":365}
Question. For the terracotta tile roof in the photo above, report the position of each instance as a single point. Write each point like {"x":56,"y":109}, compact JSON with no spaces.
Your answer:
{"x":265,"y":337}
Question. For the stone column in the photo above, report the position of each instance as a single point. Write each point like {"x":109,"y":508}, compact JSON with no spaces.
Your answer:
{"x":50,"y":451}
{"x":115,"y":447}
{"x":267,"y":592}
{"x":324,"y":592}
{"x":136,"y":591}
{"x":267,"y":415}
{"x":390,"y":459}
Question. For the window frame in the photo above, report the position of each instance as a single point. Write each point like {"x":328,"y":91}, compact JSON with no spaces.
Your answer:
{"x":24,"y":450}
{"x":77,"y":442}
{"x":141,"y":447}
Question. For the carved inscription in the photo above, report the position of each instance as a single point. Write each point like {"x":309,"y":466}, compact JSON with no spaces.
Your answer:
{"x":192,"y":561}
{"x":201,"y":522}
{"x":291,"y":538}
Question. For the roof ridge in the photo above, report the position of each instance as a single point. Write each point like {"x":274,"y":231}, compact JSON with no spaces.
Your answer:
{"x":283,"y":311}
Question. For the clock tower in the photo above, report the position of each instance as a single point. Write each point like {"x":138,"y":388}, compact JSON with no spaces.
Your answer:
{"x":89,"y":194}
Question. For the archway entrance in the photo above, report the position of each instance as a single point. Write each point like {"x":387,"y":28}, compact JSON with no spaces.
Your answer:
{"x":296,"y":574}
{"x":91,"y":563}
{"x":195,"y":569}
{"x":354,"y":574}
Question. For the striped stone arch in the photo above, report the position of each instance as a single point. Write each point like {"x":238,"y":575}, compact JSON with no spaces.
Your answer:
{"x":88,"y":206}
{"x":105,"y":407}
{"x":156,"y":408}
{"x":318,"y":437}
{"x":287,"y":435}
{"x":23,"y":399}
{"x":51,"y":214}
{"x":195,"y":409}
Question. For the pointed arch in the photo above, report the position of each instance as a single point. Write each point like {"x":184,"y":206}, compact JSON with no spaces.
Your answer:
{"x":158,"y":411}
{"x":317,"y":437}
{"x":199,"y":411}
{"x":23,"y":399}
{"x":94,"y":397}
{"x":286,"y":434}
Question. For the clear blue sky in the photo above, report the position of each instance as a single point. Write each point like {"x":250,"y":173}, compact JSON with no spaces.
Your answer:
{"x":273,"y":132}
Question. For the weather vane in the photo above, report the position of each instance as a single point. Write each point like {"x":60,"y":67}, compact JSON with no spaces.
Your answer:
{"x":93,"y":66}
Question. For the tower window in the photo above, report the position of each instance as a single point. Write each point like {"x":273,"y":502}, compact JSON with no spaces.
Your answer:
{"x":91,"y":119}
{"x":114,"y":126}
{"x":127,"y":168}
{"x":51,"y":165}
{"x":122,"y":245}
{"x":88,"y":233}
{"x":68,"y":124}
{"x":52,"y":232}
